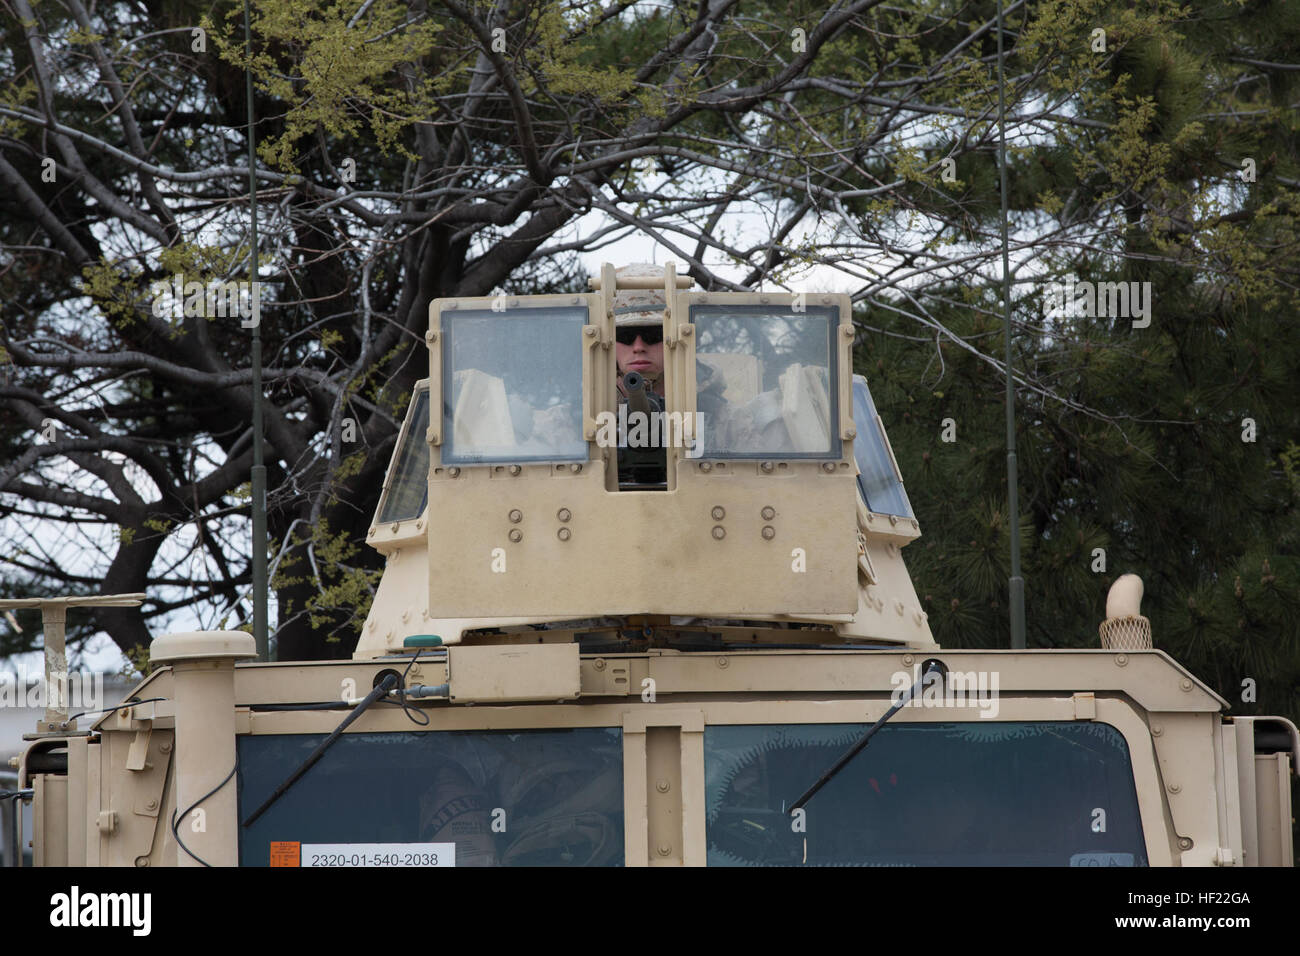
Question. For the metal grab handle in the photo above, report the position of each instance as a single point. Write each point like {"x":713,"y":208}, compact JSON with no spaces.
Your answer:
{"x":640,"y":282}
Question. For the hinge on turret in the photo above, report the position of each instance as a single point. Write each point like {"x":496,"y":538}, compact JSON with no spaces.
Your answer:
{"x":864,"y":560}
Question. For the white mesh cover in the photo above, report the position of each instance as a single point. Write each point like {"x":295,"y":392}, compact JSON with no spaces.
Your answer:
{"x":1132,"y":633}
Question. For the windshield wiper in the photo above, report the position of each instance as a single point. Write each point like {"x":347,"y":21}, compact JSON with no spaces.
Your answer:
{"x":390,"y":681}
{"x":931,"y":666}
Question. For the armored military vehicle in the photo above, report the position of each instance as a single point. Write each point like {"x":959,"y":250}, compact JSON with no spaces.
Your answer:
{"x":645,"y":604}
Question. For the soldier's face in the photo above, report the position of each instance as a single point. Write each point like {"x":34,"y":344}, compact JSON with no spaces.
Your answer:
{"x":640,"y":357}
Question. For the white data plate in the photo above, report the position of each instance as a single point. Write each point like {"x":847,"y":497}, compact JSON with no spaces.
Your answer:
{"x":378,"y":854}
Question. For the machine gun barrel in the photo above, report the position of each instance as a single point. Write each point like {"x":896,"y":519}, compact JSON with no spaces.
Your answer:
{"x":643,"y":466}
{"x":639,"y":397}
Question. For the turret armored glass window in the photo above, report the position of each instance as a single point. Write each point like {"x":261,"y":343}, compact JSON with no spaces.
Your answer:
{"x":408,"y":487}
{"x":766,"y":381}
{"x":878,"y":478}
{"x":512,"y":385}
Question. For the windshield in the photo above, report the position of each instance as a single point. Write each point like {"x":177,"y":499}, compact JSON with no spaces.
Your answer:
{"x":502,"y":798}
{"x":408,"y":485}
{"x":766,"y":381}
{"x":512,"y":385}
{"x":924,"y":794}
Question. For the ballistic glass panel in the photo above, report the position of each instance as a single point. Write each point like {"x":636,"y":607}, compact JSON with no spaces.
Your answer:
{"x":766,"y":381}
{"x":408,"y":485}
{"x":555,"y":796}
{"x":512,"y":385}
{"x":974,"y":793}
{"x":877,"y":479}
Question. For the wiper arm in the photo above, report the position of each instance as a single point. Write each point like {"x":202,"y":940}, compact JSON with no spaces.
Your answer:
{"x":381,"y":690}
{"x":931,"y":666}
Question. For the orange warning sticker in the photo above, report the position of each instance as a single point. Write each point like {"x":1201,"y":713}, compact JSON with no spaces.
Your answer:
{"x":286,"y":853}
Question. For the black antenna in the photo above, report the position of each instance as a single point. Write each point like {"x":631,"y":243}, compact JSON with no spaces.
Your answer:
{"x":259,"y":469}
{"x":1016,"y":586}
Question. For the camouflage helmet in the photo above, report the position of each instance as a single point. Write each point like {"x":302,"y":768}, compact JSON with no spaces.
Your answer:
{"x":639,"y":306}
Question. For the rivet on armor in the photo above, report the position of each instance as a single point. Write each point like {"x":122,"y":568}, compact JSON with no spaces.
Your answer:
{"x":1184,"y":844}
{"x":663,"y":786}
{"x":768,"y":513}
{"x":515,"y":469}
{"x":141,"y":861}
{"x":898,"y":606}
{"x":907,"y":660}
{"x":575,"y":468}
{"x":516,"y":515}
{"x":719,"y":532}
{"x":768,"y":532}
{"x":665,"y":849}
{"x":1121,"y":660}
{"x":706,"y":466}
{"x":395,"y":526}
{"x":718,"y":512}
{"x":454,"y":472}
{"x":1175,"y":788}
{"x":828,"y":467}
{"x":766,"y":466}
{"x":431,"y":336}
{"x":564,"y":514}
{"x":1157,"y":730}
{"x":1186,"y":684}
{"x":516,"y":535}
{"x":723,"y":662}
{"x":599,"y":663}
{"x":564,"y":534}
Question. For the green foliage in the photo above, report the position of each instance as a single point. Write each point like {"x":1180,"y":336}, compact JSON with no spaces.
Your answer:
{"x":330,"y":76}
{"x":341,"y":589}
{"x":137,"y":664}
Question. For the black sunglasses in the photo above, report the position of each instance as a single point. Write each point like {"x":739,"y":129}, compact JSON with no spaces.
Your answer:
{"x":649,"y":334}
